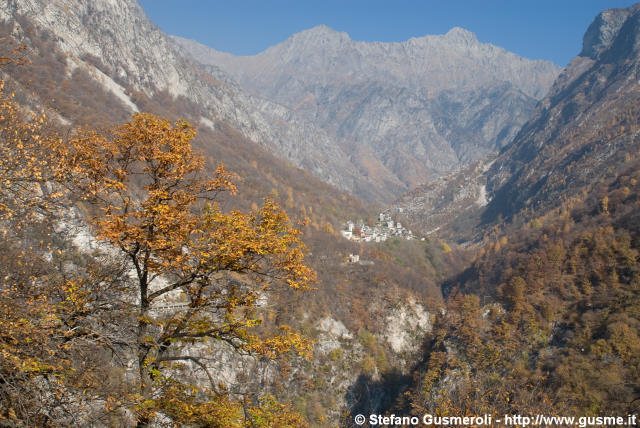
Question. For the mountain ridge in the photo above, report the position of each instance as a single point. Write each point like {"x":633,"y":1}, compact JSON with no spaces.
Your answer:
{"x":324,"y":37}
{"x":465,"y":99}
{"x":581,"y":134}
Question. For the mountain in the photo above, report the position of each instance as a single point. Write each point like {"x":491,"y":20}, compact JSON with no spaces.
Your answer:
{"x":537,"y":312}
{"x":582,"y":130}
{"x":546,"y":319}
{"x":437,"y":62}
{"x":400,"y":112}
{"x":117,"y":42}
{"x":581,"y":134}
{"x":348,"y":131}
{"x":93,"y":65}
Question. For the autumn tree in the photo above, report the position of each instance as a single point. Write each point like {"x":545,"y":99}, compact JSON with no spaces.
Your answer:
{"x":29,"y":160}
{"x":23,"y":305}
{"x":51,"y":298}
{"x":198,"y":272}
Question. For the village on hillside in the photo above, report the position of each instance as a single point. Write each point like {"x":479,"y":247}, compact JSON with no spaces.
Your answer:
{"x":384,"y":229}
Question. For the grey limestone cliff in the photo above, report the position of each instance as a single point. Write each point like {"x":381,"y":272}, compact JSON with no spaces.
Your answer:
{"x":403,"y":113}
{"x":115,"y":41}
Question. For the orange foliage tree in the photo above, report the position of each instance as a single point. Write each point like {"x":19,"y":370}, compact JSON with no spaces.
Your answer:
{"x":48,"y":344}
{"x":198,"y":272}
{"x":29,"y":159}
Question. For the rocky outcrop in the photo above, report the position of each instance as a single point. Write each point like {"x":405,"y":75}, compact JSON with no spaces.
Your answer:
{"x":602,"y":32}
{"x":581,"y":129}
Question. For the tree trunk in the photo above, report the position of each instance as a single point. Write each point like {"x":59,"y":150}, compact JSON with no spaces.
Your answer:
{"x":146,"y":387}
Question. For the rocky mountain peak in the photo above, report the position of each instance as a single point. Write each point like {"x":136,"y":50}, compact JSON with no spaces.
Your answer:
{"x":321,"y":31}
{"x":401,"y":112}
{"x":602,"y":31}
{"x":461,"y":36}
{"x":582,"y":129}
{"x":318,"y":37}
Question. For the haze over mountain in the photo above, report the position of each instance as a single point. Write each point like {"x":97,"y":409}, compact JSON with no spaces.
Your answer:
{"x":537,"y":311}
{"x":579,"y":135}
{"x":401,"y":113}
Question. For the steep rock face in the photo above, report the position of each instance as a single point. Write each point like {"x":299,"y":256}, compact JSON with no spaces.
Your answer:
{"x":582,"y":128}
{"x":115,"y":39}
{"x":117,"y":32}
{"x":583,"y":133}
{"x":404,"y":112}
{"x":491,"y":114}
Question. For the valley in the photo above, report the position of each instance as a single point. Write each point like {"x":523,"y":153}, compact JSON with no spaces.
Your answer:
{"x":326,"y":229}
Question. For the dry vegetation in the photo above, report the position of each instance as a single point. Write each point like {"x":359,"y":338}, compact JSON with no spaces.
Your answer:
{"x":546,"y":319}
{"x":70,"y":320}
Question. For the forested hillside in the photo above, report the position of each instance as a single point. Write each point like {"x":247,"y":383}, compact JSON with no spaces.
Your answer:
{"x":82,"y":312}
{"x":545,"y":320}
{"x":170,"y":260}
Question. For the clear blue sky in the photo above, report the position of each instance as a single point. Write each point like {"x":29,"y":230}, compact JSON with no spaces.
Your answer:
{"x":540,"y":29}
